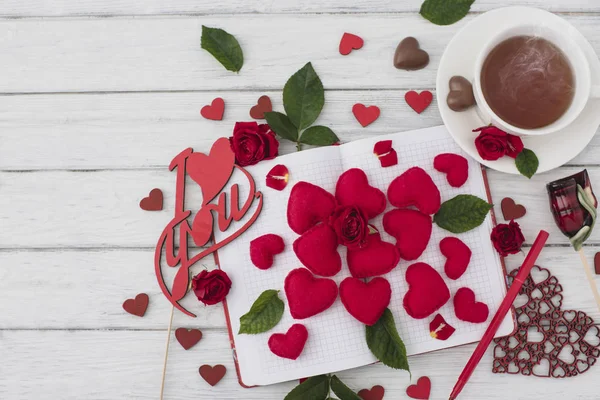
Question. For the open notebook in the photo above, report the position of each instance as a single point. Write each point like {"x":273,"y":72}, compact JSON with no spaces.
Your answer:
{"x":336,"y":340}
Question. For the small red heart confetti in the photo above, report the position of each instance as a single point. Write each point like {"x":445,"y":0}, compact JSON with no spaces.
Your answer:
{"x":418,"y":101}
{"x":187,"y":338}
{"x":212,"y":375}
{"x":138,"y":305}
{"x":215,"y":110}
{"x":421,"y":390}
{"x":262,"y":106}
{"x":264,"y":248}
{"x":153,"y":202}
{"x":454,"y":166}
{"x":289,"y":345}
{"x":350,"y":42}
{"x":278,"y":177}
{"x":511,"y":210}
{"x":439,"y":329}
{"x":467,"y":309}
{"x":365,"y":115}
{"x":597,"y":263}
{"x":386,"y":153}
{"x":376,"y":393}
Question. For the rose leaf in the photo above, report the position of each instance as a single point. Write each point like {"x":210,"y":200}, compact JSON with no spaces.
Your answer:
{"x":319,"y":136}
{"x":314,"y":388}
{"x":303,"y":97}
{"x":342,"y":391}
{"x":385,"y":342}
{"x":527,"y":163}
{"x":462,"y":213}
{"x":445,"y":12}
{"x":281,"y":125}
{"x":223,"y":46}
{"x":264,"y":314}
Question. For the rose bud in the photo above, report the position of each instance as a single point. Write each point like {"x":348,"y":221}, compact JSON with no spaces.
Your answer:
{"x":211,"y":287}
{"x":507,"y":238}
{"x":573,"y":205}
{"x":493,"y":143}
{"x":252,"y":143}
{"x":351,"y":226}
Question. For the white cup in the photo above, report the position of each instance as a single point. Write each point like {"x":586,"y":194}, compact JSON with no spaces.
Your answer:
{"x":577,"y":60}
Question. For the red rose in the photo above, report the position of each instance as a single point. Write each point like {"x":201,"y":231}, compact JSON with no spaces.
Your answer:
{"x":493,"y":143}
{"x":515,"y":145}
{"x":211,"y":287}
{"x":351,"y":226}
{"x":507,"y":238}
{"x":252,"y":143}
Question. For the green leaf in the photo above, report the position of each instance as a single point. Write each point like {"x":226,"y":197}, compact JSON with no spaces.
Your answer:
{"x":315,"y":388}
{"x":281,"y":125}
{"x":342,"y":391}
{"x":462,"y":213}
{"x":385,"y":343}
{"x":303,"y":97}
{"x":319,"y":136}
{"x":264,"y":314}
{"x":223,"y":46}
{"x":445,"y":12}
{"x":527,"y":163}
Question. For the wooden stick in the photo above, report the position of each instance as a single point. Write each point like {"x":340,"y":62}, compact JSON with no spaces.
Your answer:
{"x":162,"y":385}
{"x":590,"y":277}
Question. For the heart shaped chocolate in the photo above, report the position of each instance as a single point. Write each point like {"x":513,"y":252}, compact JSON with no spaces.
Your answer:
{"x":461,"y":94}
{"x":409,"y":56}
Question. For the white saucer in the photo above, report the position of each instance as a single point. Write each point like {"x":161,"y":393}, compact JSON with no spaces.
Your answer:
{"x":553,"y":150}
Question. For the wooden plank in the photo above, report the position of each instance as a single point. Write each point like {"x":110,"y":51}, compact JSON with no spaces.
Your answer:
{"x":141,"y":54}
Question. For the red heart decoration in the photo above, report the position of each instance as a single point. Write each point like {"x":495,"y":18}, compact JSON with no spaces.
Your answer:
{"x":597,"y":263}
{"x":188,"y":338}
{"x":212,"y":375}
{"x":365,"y":301}
{"x":215,"y":110}
{"x":290,"y":344}
{"x":415,"y":188}
{"x":263,"y":248}
{"x":353,"y":189}
{"x":421,"y":390}
{"x":317,"y":250}
{"x":212,"y":171}
{"x":418,"y":101}
{"x":467,"y":309}
{"x":365,"y":115}
{"x":308,"y":205}
{"x":376,"y":393}
{"x":307,"y":295}
{"x":262,"y":106}
{"x":375,"y":258}
{"x":454,"y":166}
{"x":350,"y":42}
{"x":511,"y":210}
{"x":138,"y":305}
{"x":277,"y":177}
{"x":427,"y":291}
{"x":153,"y":202}
{"x":411,"y":229}
{"x":458,"y":256}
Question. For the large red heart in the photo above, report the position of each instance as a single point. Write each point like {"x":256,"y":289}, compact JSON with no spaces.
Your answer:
{"x":212,"y":375}
{"x":427,"y":291}
{"x":467,"y":309}
{"x":415,"y":188}
{"x":290,"y":344}
{"x":365,"y":115}
{"x":263,"y":248}
{"x":215,"y":110}
{"x":262,"y":106}
{"x":353,"y":189}
{"x":365,"y":301}
{"x":308,"y":205}
{"x":212,"y":171}
{"x":308,"y":295}
{"x":350,"y":42}
{"x":138,"y":305}
{"x":153,"y":202}
{"x":418,"y":101}
{"x":454,"y":166}
{"x":188,"y":338}
{"x":421,"y":390}
{"x":458,"y":256}
{"x":317,"y":250}
{"x":376,"y":393}
{"x":375,"y":258}
{"x":411,"y":229}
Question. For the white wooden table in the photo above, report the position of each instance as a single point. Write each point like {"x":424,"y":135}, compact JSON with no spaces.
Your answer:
{"x":96,"y":97}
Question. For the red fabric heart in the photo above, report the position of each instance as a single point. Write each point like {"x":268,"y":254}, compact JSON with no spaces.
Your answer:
{"x":277,"y":177}
{"x":376,"y":393}
{"x":211,"y":171}
{"x":365,"y":301}
{"x":375,"y":258}
{"x":458,"y":256}
{"x":365,"y":115}
{"x":290,"y":344}
{"x":308,"y":295}
{"x":215,"y":110}
{"x":317,"y":250}
{"x":153,"y":202}
{"x":212,"y":375}
{"x":353,"y":189}
{"x":350,"y":42}
{"x":138,"y":305}
{"x":187,"y":338}
{"x":467,"y":309}
{"x":263,"y":248}
{"x":307,"y":206}
{"x":386,"y":154}
{"x":415,"y":188}
{"x":427,"y":291}
{"x":454,"y":166}
{"x":411,"y":229}
{"x":421,"y":390}
{"x":262,"y":106}
{"x":418,"y":101}
{"x":511,"y":210}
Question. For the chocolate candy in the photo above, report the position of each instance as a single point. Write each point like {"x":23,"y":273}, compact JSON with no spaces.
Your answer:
{"x":461,"y":94}
{"x":410,"y":56}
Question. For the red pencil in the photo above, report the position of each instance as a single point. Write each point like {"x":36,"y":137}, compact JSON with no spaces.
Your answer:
{"x":512,"y":293}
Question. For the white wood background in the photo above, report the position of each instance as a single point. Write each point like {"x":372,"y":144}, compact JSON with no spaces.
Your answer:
{"x":96,"y":97}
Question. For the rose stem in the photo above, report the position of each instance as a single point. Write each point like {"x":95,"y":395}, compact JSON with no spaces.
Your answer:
{"x":590,"y":277}
{"x":162,"y":385}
